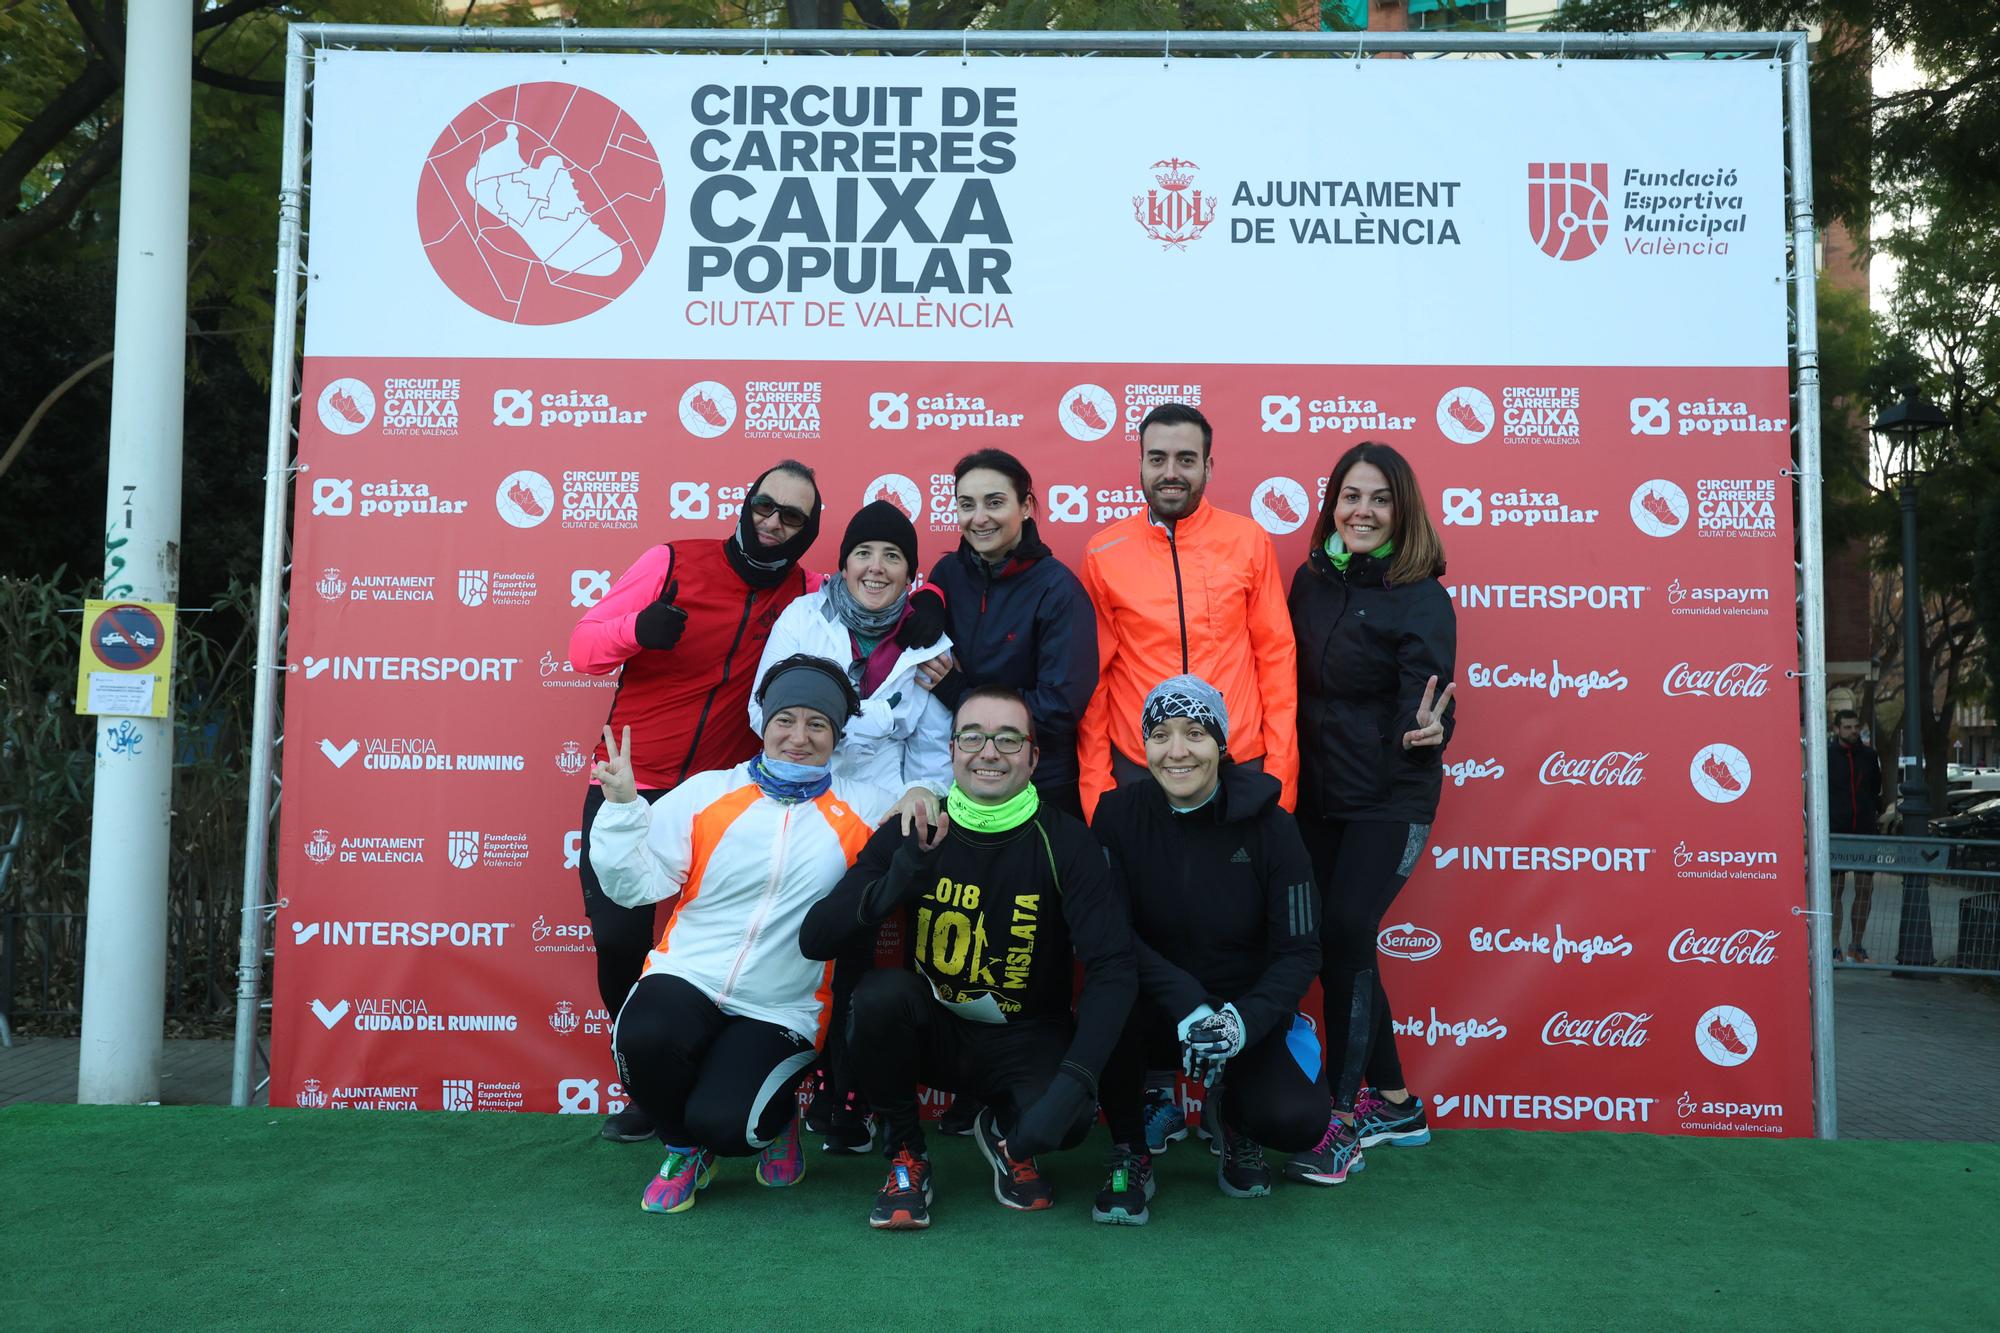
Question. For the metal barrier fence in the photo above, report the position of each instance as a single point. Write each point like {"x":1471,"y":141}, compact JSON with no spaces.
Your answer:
{"x":1916,"y":905}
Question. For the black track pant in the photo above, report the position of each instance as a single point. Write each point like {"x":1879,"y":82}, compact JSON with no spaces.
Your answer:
{"x":899,"y":1035}
{"x":622,"y":936}
{"x":706,"y":1079}
{"x":1361,"y":866}
{"x":1273,"y":1093}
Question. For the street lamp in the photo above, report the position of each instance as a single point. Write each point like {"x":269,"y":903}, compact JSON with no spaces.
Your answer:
{"x":1906,"y":423}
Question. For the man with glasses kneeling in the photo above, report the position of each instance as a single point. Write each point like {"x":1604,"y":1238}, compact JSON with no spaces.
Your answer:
{"x":1004,"y":902}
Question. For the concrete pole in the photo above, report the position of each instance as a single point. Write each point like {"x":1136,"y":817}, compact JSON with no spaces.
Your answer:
{"x":125,"y":953}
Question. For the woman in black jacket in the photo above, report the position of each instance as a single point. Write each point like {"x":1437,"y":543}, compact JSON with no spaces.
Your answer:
{"x":1018,"y":616}
{"x":1225,"y":927}
{"x":1376,"y":635}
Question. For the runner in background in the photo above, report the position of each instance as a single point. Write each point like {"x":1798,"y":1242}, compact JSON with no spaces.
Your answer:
{"x":1019,"y":618}
{"x":686,"y":623}
{"x":1186,"y":588}
{"x":869,"y":625}
{"x":1376,"y":636}
{"x":1854,"y":803}
{"x":714,"y":1037}
{"x":1225,"y":923}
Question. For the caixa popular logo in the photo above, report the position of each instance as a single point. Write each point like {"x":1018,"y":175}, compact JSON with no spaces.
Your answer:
{"x":1569,"y":207}
{"x":1174,"y":212}
{"x":540,"y":204}
{"x":1619,"y":1028}
{"x":1409,"y":941}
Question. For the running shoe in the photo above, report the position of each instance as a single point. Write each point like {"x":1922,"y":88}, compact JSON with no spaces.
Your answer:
{"x":1122,"y":1201}
{"x":1401,"y":1125}
{"x":630,"y":1125}
{"x":1338,"y":1153}
{"x":1243,"y":1173}
{"x":958,"y":1117}
{"x":904,"y":1201}
{"x":783,"y":1162}
{"x":848,"y":1130}
{"x":1016,"y":1184}
{"x":1165,"y":1121}
{"x":673,"y":1189}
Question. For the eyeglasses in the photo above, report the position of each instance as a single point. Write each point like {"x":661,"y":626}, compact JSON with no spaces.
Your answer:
{"x":1006,"y":742}
{"x":791,"y":516}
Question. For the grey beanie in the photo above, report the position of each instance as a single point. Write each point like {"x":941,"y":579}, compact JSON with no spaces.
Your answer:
{"x":1189,"y":697}
{"x":802,"y":681}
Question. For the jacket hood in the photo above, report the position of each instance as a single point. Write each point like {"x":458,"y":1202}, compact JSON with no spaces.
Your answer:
{"x":1363,"y":571}
{"x":1020,"y":560}
{"x":1245,"y":795}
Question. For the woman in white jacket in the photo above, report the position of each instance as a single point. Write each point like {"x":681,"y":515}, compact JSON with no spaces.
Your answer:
{"x":713,"y":1039}
{"x":869,"y":625}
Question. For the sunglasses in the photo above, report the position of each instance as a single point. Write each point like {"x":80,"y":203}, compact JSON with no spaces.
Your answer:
{"x":1006,"y":742}
{"x":790,"y":516}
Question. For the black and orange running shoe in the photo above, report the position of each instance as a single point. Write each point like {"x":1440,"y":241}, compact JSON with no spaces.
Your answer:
{"x":1016,"y":1183}
{"x":904,"y":1201}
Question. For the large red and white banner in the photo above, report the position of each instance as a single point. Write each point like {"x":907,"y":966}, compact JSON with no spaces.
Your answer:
{"x":562,"y":308}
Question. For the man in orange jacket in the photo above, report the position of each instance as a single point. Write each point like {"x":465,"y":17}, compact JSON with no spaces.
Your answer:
{"x":1186,"y":588}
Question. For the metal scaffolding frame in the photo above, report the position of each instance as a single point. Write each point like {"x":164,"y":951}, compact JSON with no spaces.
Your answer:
{"x":1790,"y":48}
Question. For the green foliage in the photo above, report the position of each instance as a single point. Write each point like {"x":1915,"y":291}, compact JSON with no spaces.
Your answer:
{"x":1986,"y":592}
{"x":46,"y":755}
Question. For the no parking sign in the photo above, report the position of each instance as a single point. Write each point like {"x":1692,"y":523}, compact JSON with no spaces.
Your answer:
{"x":128,"y":658}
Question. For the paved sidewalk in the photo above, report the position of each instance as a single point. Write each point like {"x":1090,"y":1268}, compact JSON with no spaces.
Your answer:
{"x":1915,"y":1060}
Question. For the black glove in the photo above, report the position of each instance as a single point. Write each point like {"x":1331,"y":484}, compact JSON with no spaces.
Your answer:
{"x":659,"y":625}
{"x":1060,"y":1115}
{"x":925,"y":624}
{"x":911,"y":871}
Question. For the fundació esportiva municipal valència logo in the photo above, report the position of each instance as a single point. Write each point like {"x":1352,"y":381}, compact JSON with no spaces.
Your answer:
{"x":541,"y":203}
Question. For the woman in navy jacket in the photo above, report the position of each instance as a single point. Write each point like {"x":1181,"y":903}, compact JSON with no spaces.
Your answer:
{"x":1018,"y":616}
{"x":1377,"y":636}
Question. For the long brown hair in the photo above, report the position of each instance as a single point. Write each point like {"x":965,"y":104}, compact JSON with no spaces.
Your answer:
{"x":1419,"y":552}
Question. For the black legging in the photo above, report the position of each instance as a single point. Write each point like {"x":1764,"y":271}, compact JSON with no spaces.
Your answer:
{"x":622,"y":936}
{"x":705,"y":1078}
{"x":1273,"y":1092}
{"x":1361,"y":866}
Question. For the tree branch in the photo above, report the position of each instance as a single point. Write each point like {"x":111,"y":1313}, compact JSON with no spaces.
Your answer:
{"x":875,"y":14}
{"x":58,"y":204}
{"x":236,"y":83}
{"x":229,"y":13}
{"x":54,"y":123}
{"x":102,"y":35}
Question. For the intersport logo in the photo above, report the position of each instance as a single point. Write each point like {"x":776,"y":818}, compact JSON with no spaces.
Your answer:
{"x":427,"y":670}
{"x":1561,"y":860}
{"x":1736,"y":680}
{"x":1619,"y":1028}
{"x":402,"y":934}
{"x":1409,"y":941}
{"x":1746,"y":948}
{"x":1613,"y":768}
{"x":1533,"y":1106}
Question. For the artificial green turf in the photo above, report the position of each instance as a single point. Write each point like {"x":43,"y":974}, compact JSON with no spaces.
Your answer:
{"x":198,"y":1216}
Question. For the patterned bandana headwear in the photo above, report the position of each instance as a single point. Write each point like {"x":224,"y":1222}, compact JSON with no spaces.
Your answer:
{"x":1189,"y":697}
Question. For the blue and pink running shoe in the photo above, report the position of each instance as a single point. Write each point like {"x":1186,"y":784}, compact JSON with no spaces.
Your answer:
{"x":684,"y":1172}
{"x":784,"y":1161}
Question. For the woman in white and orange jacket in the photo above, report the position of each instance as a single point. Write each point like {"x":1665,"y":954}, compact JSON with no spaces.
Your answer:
{"x":713,"y":1038}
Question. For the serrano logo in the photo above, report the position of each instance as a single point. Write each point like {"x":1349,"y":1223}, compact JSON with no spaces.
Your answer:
{"x":540,"y":203}
{"x":1409,"y":941}
{"x":707,"y":409}
{"x":1569,"y":207}
{"x":1465,"y":415}
{"x":1088,"y":412}
{"x":1720,"y":773}
{"x":1725,"y":1035}
{"x":346,"y":406}
{"x":1175,"y":213}
{"x":1659,"y":508}
{"x":1279,"y":505}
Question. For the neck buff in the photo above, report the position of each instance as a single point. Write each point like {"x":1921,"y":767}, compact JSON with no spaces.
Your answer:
{"x":763,"y":566}
{"x":1009,"y":814}
{"x":1336,"y":551}
{"x":860,"y":621}
{"x":1206,"y":800}
{"x":783,"y":780}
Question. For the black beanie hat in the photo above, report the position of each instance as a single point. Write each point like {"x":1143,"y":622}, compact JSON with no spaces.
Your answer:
{"x":881,"y":521}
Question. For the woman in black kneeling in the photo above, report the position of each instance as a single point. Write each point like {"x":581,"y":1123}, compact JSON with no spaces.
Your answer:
{"x":1225,"y":925}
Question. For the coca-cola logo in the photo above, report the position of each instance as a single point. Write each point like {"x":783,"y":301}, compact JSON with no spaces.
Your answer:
{"x":1738,"y":680}
{"x":1750,"y":948}
{"x":1613,"y":768}
{"x":1620,"y":1027}
{"x":1409,"y":941}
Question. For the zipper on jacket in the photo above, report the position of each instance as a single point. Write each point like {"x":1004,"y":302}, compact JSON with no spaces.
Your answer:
{"x":728,"y":660}
{"x":763,"y":905}
{"x":1180,"y":601}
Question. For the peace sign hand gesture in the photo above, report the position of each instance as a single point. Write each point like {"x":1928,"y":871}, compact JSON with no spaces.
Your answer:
{"x":614,"y":771}
{"x":1430,"y":719}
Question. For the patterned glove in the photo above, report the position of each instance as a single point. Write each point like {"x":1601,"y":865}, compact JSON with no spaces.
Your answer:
{"x":1210,"y":1043}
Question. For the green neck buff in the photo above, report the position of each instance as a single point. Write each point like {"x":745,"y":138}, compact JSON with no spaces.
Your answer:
{"x":1336,"y":551}
{"x":1009,"y":814}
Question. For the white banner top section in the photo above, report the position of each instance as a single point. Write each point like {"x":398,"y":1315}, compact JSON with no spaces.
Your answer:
{"x":1209,"y":211}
